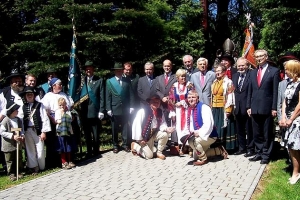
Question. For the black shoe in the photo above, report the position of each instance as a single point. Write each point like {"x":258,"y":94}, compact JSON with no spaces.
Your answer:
{"x":116,"y":150}
{"x":249,"y":154}
{"x":255,"y":158}
{"x":126,"y":149}
{"x":239,"y":152}
{"x":264,"y":162}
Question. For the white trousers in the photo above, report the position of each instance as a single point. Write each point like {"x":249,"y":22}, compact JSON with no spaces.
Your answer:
{"x":200,"y":147}
{"x":35,"y":149}
{"x":147,"y":151}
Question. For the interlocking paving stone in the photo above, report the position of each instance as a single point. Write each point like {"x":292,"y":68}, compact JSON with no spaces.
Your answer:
{"x":124,"y":176}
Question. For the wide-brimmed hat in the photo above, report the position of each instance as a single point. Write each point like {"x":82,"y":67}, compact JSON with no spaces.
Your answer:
{"x":229,"y":57}
{"x":28,"y":89}
{"x":14,"y":73}
{"x":153,"y":97}
{"x":11,"y":107}
{"x":117,"y":66}
{"x":286,"y":57}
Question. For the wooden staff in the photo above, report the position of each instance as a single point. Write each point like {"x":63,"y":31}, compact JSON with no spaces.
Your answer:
{"x":17,"y":130}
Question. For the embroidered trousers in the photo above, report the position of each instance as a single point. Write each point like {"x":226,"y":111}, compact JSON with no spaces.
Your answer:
{"x":35,"y":149}
{"x":201,"y":147}
{"x":147,"y":150}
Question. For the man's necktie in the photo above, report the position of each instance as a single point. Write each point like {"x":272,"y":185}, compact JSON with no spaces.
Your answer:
{"x":259,"y":72}
{"x":202,"y":79}
{"x":228,"y":73}
{"x":240,"y":84}
{"x":166,"y":79}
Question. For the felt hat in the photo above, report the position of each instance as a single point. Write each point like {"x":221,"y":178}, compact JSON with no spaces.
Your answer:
{"x":14,"y":73}
{"x":152,"y":98}
{"x":11,"y":107}
{"x":229,"y":57}
{"x":117,"y":66}
{"x":88,"y":64}
{"x":286,"y":57}
{"x":28,"y":89}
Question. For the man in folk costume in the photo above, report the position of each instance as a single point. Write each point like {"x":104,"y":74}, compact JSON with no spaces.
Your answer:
{"x":148,"y":126}
{"x":202,"y":133}
{"x":119,"y":106}
{"x":92,"y":109}
{"x":36,"y":124}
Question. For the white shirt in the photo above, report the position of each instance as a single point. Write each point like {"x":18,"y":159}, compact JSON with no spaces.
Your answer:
{"x":46,"y":127}
{"x":3,"y":103}
{"x":263,"y":70}
{"x":137,"y":124}
{"x":7,"y":133}
{"x":50,"y":101}
{"x":208,"y":122}
{"x":18,"y":101}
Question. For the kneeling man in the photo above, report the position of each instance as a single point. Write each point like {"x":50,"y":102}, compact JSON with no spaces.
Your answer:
{"x":202,"y":133}
{"x":148,"y":126}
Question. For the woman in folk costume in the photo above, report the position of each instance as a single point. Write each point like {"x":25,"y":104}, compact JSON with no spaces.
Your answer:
{"x":222,"y":108}
{"x":178,"y":105}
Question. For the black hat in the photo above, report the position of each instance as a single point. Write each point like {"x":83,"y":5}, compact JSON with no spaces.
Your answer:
{"x":15,"y":72}
{"x":286,"y":57}
{"x":229,"y":57}
{"x":117,"y":66}
{"x":153,"y":97}
{"x":11,"y":107}
{"x":28,"y":89}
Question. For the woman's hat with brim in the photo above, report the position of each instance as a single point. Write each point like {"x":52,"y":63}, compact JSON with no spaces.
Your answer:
{"x":152,"y":98}
{"x":117,"y":66}
{"x":286,"y":57}
{"x":11,"y":107}
{"x":28,"y":89}
{"x":229,"y":57}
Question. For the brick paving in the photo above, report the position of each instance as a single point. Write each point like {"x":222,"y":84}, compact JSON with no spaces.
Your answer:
{"x":128,"y":177}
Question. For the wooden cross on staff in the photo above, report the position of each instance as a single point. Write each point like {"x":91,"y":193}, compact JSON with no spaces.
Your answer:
{"x":17,"y":131}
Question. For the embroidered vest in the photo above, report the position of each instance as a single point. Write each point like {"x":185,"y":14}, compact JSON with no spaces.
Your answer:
{"x":37,"y":121}
{"x":147,"y":133}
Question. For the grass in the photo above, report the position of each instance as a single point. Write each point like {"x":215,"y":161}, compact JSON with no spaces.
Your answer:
{"x":274,"y":183}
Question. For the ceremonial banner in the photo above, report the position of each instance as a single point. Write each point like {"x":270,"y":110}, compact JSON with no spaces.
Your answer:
{"x":75,"y":89}
{"x":248,"y":49}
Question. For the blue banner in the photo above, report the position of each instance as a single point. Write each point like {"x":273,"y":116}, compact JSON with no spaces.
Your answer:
{"x":75,"y":86}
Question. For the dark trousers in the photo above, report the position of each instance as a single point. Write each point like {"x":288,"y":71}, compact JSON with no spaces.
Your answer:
{"x":244,"y":132}
{"x":52,"y":159}
{"x":91,"y":128}
{"x":119,"y":123}
{"x":11,"y":161}
{"x":263,"y":134}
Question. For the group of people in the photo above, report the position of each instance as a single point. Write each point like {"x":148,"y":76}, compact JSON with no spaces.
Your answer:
{"x":202,"y":112}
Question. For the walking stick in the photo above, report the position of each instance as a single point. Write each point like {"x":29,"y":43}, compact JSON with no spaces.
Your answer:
{"x":17,"y":130}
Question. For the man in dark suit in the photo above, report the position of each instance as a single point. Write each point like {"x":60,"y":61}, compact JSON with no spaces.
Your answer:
{"x":228,"y":62}
{"x":119,"y":105}
{"x":163,"y":86}
{"x":92,"y":109}
{"x":147,"y":84}
{"x":188,"y":63}
{"x":134,"y":78}
{"x":243,"y":121}
{"x":262,"y":105}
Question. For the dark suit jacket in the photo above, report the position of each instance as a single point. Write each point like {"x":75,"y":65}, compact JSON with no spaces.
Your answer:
{"x":262,"y":100}
{"x":88,"y":108}
{"x":162,"y":90}
{"x":145,"y":90}
{"x":241,"y":96}
{"x":134,"y":78}
{"x":119,"y":99}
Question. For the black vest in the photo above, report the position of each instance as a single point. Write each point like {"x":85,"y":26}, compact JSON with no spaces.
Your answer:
{"x":37,"y":120}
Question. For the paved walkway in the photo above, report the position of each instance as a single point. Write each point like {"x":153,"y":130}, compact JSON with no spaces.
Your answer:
{"x":124,"y":176}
